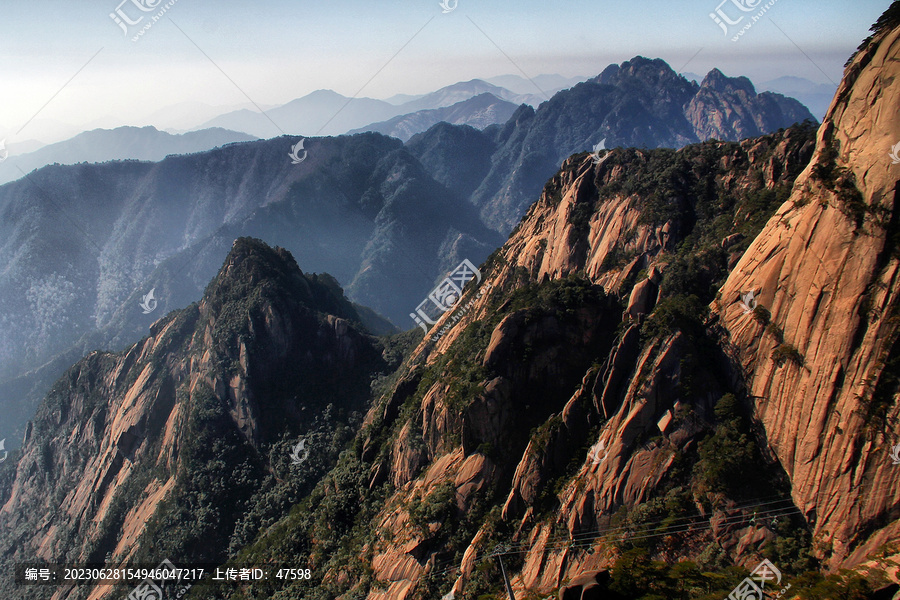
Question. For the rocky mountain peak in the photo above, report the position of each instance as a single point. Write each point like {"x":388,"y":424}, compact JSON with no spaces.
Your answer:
{"x":204,"y":413}
{"x":685,"y":355}
{"x":654,"y":76}
{"x":717,"y":81}
{"x":639,"y":103}
{"x":755,"y":365}
{"x":252,"y":267}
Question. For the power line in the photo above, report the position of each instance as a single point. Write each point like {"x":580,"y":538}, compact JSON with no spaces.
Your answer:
{"x":647,"y":531}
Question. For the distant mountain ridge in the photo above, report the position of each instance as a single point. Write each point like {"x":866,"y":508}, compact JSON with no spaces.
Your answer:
{"x":815,"y":96}
{"x":325,"y":112}
{"x":641,"y":103}
{"x":479,"y":112}
{"x":81,"y":245}
{"x":549,"y":84}
{"x":122,"y":143}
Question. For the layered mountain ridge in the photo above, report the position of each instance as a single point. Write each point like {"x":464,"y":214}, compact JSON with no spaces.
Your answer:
{"x":479,"y":112}
{"x":315,"y":113}
{"x":122,"y":143}
{"x":694,"y":412}
{"x":641,"y":103}
{"x":84,"y":244}
{"x":388,"y":221}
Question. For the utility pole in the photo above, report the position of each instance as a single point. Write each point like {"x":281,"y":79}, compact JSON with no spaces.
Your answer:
{"x":499,"y":554}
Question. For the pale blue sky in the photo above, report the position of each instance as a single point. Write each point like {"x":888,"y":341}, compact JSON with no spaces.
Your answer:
{"x":278,"y":50}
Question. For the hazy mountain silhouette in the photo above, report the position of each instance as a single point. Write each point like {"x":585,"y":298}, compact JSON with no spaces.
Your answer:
{"x":122,"y":143}
{"x":478,"y":111}
{"x":549,"y":84}
{"x":325,"y":112}
{"x":815,"y":96}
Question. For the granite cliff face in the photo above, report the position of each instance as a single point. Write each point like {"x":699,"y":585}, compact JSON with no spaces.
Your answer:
{"x":728,"y":108}
{"x":571,"y":302}
{"x":825,"y":271}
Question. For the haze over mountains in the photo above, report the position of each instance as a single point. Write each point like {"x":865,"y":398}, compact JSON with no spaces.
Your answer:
{"x":478,"y":112}
{"x":134,"y":143}
{"x":477,"y":103}
{"x":815,"y":96}
{"x":317,"y":113}
{"x":183,"y":134}
{"x":543,"y":84}
{"x":82,"y":245}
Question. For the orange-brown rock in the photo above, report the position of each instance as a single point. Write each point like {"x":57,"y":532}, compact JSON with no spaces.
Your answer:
{"x":827,"y":268}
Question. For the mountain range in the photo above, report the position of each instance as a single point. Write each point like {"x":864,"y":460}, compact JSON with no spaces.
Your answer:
{"x":123,"y":143}
{"x":540,"y":84}
{"x":325,"y":112}
{"x":641,"y":103}
{"x":84,"y":245}
{"x":478,"y":112}
{"x":677,"y":378}
{"x":815,"y":96}
{"x":474,"y":103}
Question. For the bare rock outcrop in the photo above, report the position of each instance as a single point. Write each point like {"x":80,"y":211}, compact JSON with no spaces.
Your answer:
{"x":827,"y":268}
